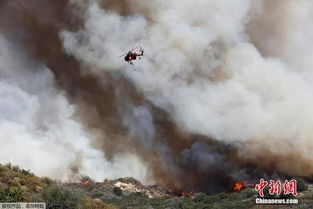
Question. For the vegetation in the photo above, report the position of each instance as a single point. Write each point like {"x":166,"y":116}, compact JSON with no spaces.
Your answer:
{"x":11,"y":195}
{"x":59,"y":197}
{"x":235,"y":200}
{"x":302,"y":185}
{"x":19,"y":185}
{"x":18,"y":169}
{"x":117,"y":191}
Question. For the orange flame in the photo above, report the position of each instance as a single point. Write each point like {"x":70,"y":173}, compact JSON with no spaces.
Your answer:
{"x":85,"y":182}
{"x":238,"y":186}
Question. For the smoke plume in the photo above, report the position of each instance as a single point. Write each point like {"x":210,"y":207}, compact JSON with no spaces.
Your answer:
{"x":222,"y":93}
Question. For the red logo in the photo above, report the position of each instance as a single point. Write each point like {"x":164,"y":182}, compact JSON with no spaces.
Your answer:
{"x":275,"y":187}
{"x":289,"y":187}
{"x":260,"y":187}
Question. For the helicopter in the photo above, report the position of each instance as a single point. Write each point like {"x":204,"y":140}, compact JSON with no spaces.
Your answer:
{"x":130,"y":55}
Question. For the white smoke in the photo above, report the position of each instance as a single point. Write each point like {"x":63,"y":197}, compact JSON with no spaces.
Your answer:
{"x":284,"y":30}
{"x":37,"y":129}
{"x":205,"y":65}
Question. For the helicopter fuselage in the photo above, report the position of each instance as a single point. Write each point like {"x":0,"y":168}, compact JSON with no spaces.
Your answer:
{"x":130,"y":56}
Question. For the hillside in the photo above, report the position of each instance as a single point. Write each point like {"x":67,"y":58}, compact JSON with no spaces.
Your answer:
{"x":19,"y":185}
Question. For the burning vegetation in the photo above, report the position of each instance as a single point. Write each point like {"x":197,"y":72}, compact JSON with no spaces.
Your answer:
{"x":85,"y":182}
{"x":238,"y":186}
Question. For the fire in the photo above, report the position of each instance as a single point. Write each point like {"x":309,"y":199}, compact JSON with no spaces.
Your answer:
{"x":238,"y":186}
{"x":85,"y":182}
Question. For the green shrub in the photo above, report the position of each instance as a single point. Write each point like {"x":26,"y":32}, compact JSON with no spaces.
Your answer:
{"x":235,"y":196}
{"x":187,"y":203}
{"x":25,"y":172}
{"x":47,"y":181}
{"x":203,"y":206}
{"x":237,"y":204}
{"x":97,"y":195}
{"x":60,"y":197}
{"x":200,"y":197}
{"x":248,"y":192}
{"x":302,"y":185}
{"x":117,"y":191}
{"x":139,"y":193}
{"x":97,"y":204}
{"x":222,"y":196}
{"x":8,"y":165}
{"x":11,"y":195}
{"x":15,"y":168}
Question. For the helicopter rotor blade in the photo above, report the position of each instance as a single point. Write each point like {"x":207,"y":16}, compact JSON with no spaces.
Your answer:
{"x":124,"y":54}
{"x":136,"y":47}
{"x":127,"y":52}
